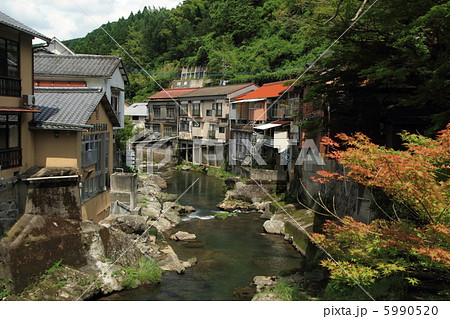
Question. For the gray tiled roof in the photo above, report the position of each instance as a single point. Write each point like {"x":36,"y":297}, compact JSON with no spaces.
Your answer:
{"x":12,"y":23}
{"x":137,"y":109}
{"x":66,"y":108}
{"x":76,"y":65}
{"x":216,"y":90}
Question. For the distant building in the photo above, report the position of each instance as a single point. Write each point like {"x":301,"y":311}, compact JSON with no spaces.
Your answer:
{"x":193,"y":77}
{"x":164,"y":110}
{"x":102,"y":71}
{"x":204,"y":122}
{"x":138,"y":113}
{"x":54,"y":47}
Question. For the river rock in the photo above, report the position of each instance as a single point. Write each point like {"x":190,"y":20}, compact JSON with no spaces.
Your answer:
{"x":171,"y":261}
{"x":231,"y":182}
{"x":246,"y":192}
{"x":149,"y":190}
{"x":186,"y":210}
{"x":186,"y":168}
{"x":157,"y":180}
{"x":168,"y":205}
{"x":274,"y":226}
{"x":264,"y":208}
{"x":190,"y":262}
{"x":263,"y":282}
{"x":183,"y":236}
{"x":151,"y":212}
{"x":172,"y":215}
{"x":161,"y":224}
{"x":129,"y":224}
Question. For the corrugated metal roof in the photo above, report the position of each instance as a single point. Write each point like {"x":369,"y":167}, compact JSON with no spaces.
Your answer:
{"x":68,"y":108}
{"x":266,"y":126}
{"x":273,"y":89}
{"x":76,"y":65}
{"x":171,"y":93}
{"x":13,"y":23}
{"x":137,"y":109}
{"x":217,"y":90}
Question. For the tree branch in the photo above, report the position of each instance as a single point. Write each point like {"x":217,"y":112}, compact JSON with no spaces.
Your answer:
{"x":336,"y":13}
{"x":360,"y":10}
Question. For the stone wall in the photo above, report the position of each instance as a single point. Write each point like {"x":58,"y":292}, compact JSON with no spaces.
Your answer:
{"x":346,"y":198}
{"x":9,"y":204}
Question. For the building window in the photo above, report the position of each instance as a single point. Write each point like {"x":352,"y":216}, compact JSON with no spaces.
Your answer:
{"x":196,"y":124}
{"x":184,"y":110}
{"x":170,"y":113}
{"x":221,"y":129}
{"x":208,"y":112}
{"x":10,"y":84}
{"x":218,"y":109}
{"x":196,"y":109}
{"x":256,"y":106}
{"x":95,"y":151}
{"x":135,"y":118}
{"x":156,"y":112}
{"x":10,"y":151}
{"x":212,"y":131}
{"x":184,"y":126}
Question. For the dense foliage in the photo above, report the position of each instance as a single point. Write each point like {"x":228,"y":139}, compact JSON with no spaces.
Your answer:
{"x":394,"y":256}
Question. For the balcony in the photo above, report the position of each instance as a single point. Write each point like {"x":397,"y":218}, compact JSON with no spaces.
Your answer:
{"x":10,"y":87}
{"x":10,"y":158}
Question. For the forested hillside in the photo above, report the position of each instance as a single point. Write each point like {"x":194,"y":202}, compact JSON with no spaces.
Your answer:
{"x":394,"y":58}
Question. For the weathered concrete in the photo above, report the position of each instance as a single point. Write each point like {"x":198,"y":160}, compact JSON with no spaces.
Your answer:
{"x":124,"y":188}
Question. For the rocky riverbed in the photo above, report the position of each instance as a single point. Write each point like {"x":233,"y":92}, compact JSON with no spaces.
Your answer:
{"x":105,"y":254}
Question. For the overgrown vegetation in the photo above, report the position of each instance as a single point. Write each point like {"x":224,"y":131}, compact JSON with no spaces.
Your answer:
{"x":146,"y":272}
{"x":53,"y":269}
{"x":394,"y":257}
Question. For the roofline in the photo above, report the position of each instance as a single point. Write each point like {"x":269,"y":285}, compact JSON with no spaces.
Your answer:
{"x":30,"y":32}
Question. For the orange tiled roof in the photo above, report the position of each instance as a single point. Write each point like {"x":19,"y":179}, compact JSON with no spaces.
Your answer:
{"x":273,"y":89}
{"x":171,"y":93}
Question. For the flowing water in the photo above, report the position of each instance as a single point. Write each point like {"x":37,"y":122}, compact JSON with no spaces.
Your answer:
{"x":230,"y":252}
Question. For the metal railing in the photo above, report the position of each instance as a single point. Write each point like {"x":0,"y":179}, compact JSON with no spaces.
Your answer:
{"x":11,"y":158}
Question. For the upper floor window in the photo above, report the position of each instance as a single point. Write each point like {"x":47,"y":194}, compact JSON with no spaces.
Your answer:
{"x":10,"y":151}
{"x":9,"y":58}
{"x":196,"y":109}
{"x":156,"y":112}
{"x":184,"y":110}
{"x":10,"y":84}
{"x":184,"y":126}
{"x":170,"y":112}
{"x":218,"y":109}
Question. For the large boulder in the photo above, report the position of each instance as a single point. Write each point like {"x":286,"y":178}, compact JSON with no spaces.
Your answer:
{"x":129,"y":224}
{"x":247,"y":192}
{"x":274,"y":226}
{"x":157,"y":180}
{"x":183,"y":236}
{"x":152,"y":209}
{"x":263,"y":282}
{"x":172,"y":215}
{"x":161,"y":224}
{"x":171,"y":261}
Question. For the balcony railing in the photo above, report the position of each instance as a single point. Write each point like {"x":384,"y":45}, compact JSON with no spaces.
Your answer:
{"x":11,"y":158}
{"x":10,"y":87}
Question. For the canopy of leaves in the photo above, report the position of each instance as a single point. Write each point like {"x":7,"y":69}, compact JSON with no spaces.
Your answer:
{"x":416,"y":248}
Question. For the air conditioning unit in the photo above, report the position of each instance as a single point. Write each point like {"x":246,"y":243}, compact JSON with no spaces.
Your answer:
{"x":29,"y":100}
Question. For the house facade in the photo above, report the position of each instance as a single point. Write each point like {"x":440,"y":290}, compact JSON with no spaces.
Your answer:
{"x":138,"y":114}
{"x":204,"y":122}
{"x":107,"y":72}
{"x":16,"y":110}
{"x":164,"y":110}
{"x":267,"y":117}
{"x":74,"y":131}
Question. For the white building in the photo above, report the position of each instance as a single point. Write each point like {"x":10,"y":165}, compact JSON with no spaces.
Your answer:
{"x":138,"y":113}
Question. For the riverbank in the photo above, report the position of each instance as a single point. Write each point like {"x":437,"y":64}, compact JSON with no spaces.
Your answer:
{"x":121,"y":252}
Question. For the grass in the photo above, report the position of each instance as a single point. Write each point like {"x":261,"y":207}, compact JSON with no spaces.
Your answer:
{"x":53,"y":269}
{"x":146,"y":272}
{"x":287,"y":290}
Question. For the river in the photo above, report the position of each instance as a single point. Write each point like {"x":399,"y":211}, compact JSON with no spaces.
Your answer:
{"x":231,"y":253}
